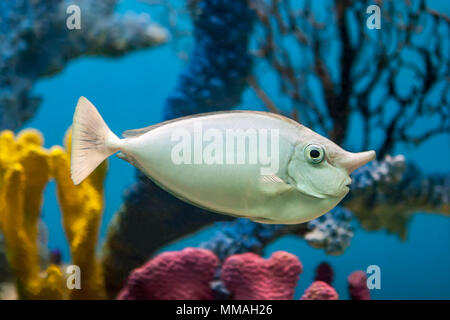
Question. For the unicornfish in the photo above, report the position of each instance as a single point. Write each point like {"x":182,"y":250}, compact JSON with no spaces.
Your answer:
{"x":257,"y":165}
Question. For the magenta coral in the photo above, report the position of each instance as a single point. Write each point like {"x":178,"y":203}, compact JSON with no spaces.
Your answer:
{"x":177,"y":275}
{"x":249,"y":277}
{"x":324,"y":273}
{"x":320,"y":290}
{"x":357,"y":286}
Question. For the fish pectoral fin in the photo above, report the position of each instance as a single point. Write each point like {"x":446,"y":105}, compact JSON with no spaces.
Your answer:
{"x":274,"y":185}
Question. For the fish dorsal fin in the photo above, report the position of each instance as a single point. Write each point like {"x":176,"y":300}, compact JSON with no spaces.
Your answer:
{"x":138,"y":132}
{"x":272,"y":184}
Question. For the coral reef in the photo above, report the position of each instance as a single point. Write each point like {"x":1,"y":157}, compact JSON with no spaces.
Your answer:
{"x":324,"y":273}
{"x":240,"y":236}
{"x":372,"y":185}
{"x":82,"y":208}
{"x":332,"y":231}
{"x":35,"y":42}
{"x":384,"y":194}
{"x":5,"y":272}
{"x":370,"y":67}
{"x":320,"y":290}
{"x":189,"y":274}
{"x":129,"y":243}
{"x":216,"y":75}
{"x":24,"y":173}
{"x":213,"y":80}
{"x":179,"y":275}
{"x":249,"y":277}
{"x":195,"y":273}
{"x":25,"y":169}
{"x":357,"y":286}
{"x":54,"y":284}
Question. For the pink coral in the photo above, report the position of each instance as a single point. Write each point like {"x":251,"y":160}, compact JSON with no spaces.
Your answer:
{"x":324,"y":273}
{"x":175,"y":275}
{"x":320,"y":290}
{"x":249,"y":277}
{"x":357,"y":286}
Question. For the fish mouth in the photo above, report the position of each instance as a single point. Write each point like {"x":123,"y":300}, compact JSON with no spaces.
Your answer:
{"x":342,"y":190}
{"x":346,"y":185}
{"x":348,"y":182}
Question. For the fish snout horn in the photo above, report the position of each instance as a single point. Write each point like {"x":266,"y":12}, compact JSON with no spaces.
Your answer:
{"x":352,"y":161}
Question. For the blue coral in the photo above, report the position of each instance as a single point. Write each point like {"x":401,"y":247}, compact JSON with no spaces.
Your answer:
{"x":239,"y":236}
{"x":333,"y":231}
{"x":385,"y":193}
{"x":379,"y":173}
{"x":35,"y":42}
{"x":395,"y":180}
{"x":216,"y":75}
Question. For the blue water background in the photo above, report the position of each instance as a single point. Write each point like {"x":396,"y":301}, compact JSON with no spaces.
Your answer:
{"x":130,"y":93}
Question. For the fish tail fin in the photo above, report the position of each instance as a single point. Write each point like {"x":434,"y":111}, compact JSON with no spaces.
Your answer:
{"x":92,"y":141}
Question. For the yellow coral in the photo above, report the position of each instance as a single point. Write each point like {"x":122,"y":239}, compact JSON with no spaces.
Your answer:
{"x":52,"y":287}
{"x":25,"y":169}
{"x":82,"y":208}
{"x":24,"y":173}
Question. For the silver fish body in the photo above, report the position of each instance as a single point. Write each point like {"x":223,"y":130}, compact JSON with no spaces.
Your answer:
{"x":257,"y":165}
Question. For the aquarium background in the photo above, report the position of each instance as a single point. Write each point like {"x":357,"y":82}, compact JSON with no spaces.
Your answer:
{"x":130,"y":92}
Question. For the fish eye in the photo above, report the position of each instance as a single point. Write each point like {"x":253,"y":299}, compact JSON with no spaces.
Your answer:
{"x":314,"y":153}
